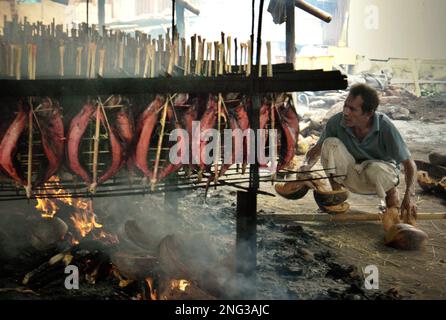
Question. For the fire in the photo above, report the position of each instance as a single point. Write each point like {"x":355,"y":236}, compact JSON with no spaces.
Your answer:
{"x":179,"y":284}
{"x":153,"y":293}
{"x":47,"y":207}
{"x":45,"y":203}
{"x":111,"y":238}
{"x":83,"y":217}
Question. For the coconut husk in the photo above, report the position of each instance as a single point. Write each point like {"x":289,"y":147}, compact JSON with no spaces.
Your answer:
{"x":137,"y":235}
{"x":337,"y":209}
{"x":135,"y":266}
{"x":46,"y":232}
{"x":330,"y":197}
{"x":292,"y":190}
{"x":189,"y":290}
{"x":438,"y":159}
{"x":425,"y":181}
{"x":405,"y":237}
{"x":390,"y":218}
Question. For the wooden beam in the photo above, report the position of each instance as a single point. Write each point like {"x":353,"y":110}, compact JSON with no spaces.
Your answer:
{"x":314,"y":11}
{"x":344,"y":217}
{"x":188,"y":6}
{"x":314,"y":80}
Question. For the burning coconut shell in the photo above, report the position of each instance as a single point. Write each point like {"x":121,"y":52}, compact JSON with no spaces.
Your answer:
{"x":405,"y":237}
{"x":293,"y":190}
{"x":135,"y":266}
{"x":325,"y":198}
{"x":46,"y":232}
{"x":337,"y":209}
{"x":425,"y":181}
{"x":390,"y":218}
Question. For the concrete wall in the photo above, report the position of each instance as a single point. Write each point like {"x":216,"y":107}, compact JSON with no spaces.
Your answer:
{"x":404,"y":29}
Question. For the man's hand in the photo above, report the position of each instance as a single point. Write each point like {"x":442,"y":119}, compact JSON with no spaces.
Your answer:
{"x":409,"y":209}
{"x":408,"y":206}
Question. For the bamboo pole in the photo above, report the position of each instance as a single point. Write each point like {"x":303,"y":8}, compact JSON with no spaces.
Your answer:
{"x":197,"y":70}
{"x":183,"y":52}
{"x":187,"y":61}
{"x":147,"y":61}
{"x":269,"y":72}
{"x":101,"y":62}
{"x":61,"y":58}
{"x":34,"y":60}
{"x":221,"y":65}
{"x":249,"y":65}
{"x":229,"y":55}
{"x":18,"y":62}
{"x":11,"y":60}
{"x":79,"y":60}
{"x":358,"y":216}
{"x":216,"y":51}
{"x":209,"y":60}
{"x":138,"y":61}
{"x":152,"y":61}
{"x":171,"y":58}
{"x":30,"y":60}
{"x":121,"y":56}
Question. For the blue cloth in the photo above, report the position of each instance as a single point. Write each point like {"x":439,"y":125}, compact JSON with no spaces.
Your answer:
{"x":383,"y":142}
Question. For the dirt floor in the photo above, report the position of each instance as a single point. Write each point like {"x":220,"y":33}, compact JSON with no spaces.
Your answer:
{"x":406,"y":274}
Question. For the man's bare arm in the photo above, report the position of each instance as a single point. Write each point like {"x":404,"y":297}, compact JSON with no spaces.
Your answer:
{"x":410,"y":172}
{"x":408,"y":206}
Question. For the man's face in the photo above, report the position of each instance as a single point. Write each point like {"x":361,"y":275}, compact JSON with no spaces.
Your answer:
{"x":353,"y":115}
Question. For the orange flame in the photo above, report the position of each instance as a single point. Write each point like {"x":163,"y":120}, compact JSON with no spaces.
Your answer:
{"x":83,"y":218}
{"x":153,"y":293}
{"x":179,"y":284}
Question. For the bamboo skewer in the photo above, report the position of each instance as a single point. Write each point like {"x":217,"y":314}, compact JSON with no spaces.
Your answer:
{"x":92,"y":187}
{"x":160,"y":142}
{"x":217,"y":153}
{"x":30,"y":154}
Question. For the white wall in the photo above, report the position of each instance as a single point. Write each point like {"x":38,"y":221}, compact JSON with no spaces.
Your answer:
{"x":405,"y":28}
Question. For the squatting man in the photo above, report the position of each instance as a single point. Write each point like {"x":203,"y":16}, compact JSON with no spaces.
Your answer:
{"x":364,"y":147}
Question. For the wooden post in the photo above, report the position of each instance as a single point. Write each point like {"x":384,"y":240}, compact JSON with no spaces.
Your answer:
{"x":101,"y":15}
{"x":180,"y":19}
{"x":246,"y":244}
{"x":290,"y":35}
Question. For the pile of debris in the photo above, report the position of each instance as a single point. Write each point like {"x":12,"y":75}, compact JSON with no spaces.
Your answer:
{"x":396,"y":102}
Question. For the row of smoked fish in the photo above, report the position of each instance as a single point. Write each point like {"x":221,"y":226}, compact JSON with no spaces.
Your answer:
{"x":106,"y":137}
